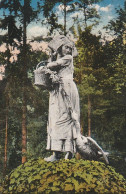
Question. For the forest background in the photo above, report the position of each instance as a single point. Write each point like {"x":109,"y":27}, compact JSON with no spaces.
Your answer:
{"x":100,"y":74}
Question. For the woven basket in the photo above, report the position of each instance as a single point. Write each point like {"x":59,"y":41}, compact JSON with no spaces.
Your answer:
{"x":41,"y":78}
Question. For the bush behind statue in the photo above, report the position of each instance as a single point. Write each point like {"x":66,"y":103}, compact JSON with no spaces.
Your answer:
{"x":63,"y":176}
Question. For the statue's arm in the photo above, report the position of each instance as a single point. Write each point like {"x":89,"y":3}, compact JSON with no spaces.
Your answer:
{"x":65,"y":61}
{"x":52,"y":64}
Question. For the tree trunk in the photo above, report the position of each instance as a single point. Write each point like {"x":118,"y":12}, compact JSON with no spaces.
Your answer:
{"x":85,"y":15}
{"x":6,"y":138}
{"x":24,"y":130}
{"x":89,"y":116}
{"x":65,"y":17}
{"x":6,"y":120}
{"x":24,"y":107}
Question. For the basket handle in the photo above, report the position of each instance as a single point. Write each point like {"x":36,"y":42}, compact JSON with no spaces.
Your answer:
{"x":42,"y":63}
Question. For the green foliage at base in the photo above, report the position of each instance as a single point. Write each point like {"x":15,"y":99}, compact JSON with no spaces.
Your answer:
{"x":64,"y":176}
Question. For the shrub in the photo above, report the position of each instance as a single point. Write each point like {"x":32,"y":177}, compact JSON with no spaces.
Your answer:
{"x":63,"y":176}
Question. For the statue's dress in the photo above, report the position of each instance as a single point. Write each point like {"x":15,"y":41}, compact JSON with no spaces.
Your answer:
{"x":61,"y":129}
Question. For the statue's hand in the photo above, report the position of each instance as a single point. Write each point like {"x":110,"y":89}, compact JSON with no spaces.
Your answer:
{"x":74,"y":116}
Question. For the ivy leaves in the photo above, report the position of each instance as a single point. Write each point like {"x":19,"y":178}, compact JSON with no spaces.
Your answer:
{"x":71,"y":176}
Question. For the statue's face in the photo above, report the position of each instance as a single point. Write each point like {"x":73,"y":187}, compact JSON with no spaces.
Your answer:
{"x":66,"y":50}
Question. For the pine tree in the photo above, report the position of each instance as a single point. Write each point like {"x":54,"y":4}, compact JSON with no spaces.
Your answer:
{"x":52,"y":17}
{"x":89,"y":12}
{"x":87,"y":70}
{"x":115,"y":62}
{"x":24,"y":14}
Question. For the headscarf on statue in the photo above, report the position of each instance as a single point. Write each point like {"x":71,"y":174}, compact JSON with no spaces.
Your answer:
{"x":61,"y":40}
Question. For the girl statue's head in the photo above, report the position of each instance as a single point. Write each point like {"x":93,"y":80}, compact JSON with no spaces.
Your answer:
{"x":64,"y":49}
{"x":63,"y":45}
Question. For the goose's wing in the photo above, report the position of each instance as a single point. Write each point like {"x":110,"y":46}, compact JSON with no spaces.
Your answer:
{"x":99,"y":148}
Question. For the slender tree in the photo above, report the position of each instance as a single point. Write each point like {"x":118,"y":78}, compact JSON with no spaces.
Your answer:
{"x":116,"y":59}
{"x":87,"y":63}
{"x":3,"y":131}
{"x":24,"y":14}
{"x":90,"y":14}
{"x":8,"y":24}
{"x":6,"y":138}
{"x":52,"y":17}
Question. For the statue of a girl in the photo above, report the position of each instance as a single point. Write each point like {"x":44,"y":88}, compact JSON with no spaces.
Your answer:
{"x":64,"y":101}
{"x":64,"y":112}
